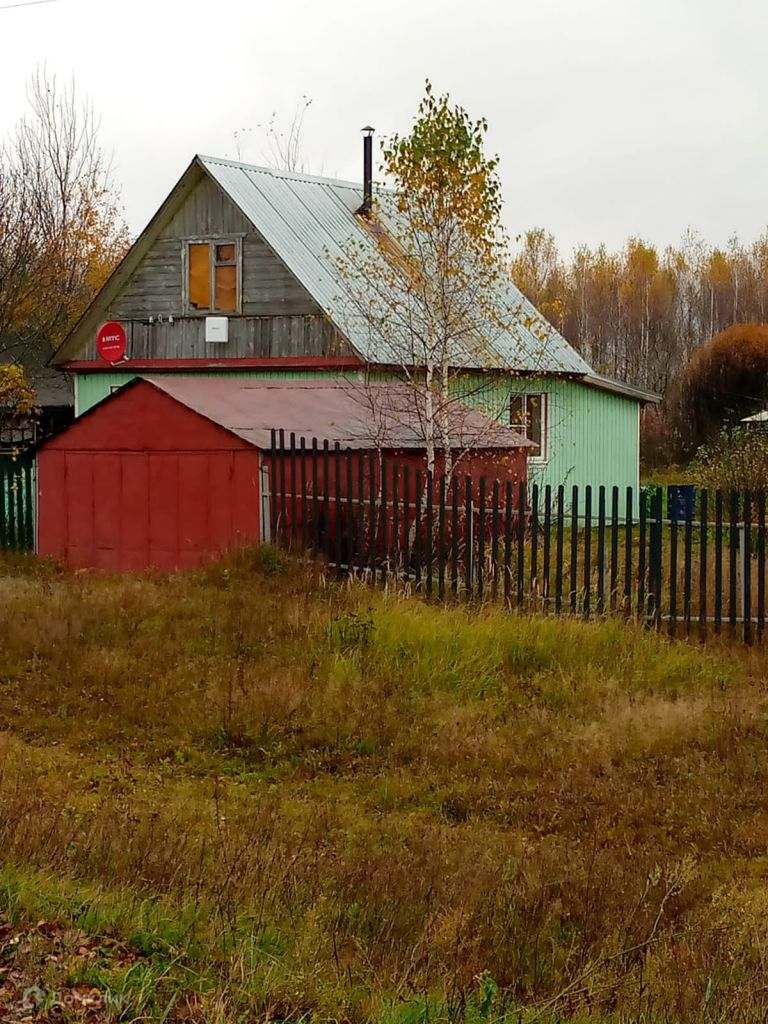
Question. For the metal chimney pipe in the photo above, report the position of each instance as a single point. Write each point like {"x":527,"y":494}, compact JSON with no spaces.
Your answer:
{"x":367,"y":207}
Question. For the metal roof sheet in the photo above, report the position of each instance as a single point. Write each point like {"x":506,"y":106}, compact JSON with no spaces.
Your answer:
{"x":619,"y":387}
{"x":311,"y":225}
{"x":357,"y":415}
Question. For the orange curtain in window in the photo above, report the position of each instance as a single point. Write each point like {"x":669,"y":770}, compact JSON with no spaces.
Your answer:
{"x":225,"y":290}
{"x":200,"y":276}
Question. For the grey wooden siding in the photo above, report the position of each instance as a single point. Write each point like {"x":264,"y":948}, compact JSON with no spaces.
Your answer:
{"x":155,"y":289}
{"x":249,"y":337}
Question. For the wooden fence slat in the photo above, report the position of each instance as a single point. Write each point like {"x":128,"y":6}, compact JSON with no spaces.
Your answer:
{"x":283,"y":526}
{"x":495,"y":541}
{"x":587,"y":603}
{"x":373,"y":524}
{"x":733,"y":551}
{"x":455,"y":536}
{"x":559,"y":549}
{"x":417,"y":537}
{"x":508,"y":542}
{"x":396,"y":518}
{"x":601,"y":550}
{"x":480,"y":573}
{"x":642,"y":513}
{"x":303,"y":475}
{"x":573,"y":598}
{"x":468,"y":537}
{"x":429,"y":565}
{"x":746,"y":582}
{"x":336,"y":504}
{"x":760,"y":566}
{"x":703,"y":567}
{"x":441,"y":541}
{"x":628,"y":552}
{"x":534,"y":543}
{"x":718,"y":560}
{"x":315,"y":501}
{"x":350,"y":552}
{"x":521,"y":515}
{"x":361,"y":559}
{"x":383,"y":522}
{"x":672,"y":514}
{"x":687,"y":567}
{"x":326,"y":520}
{"x":614,"y":583}
{"x":547,"y":547}
{"x":293,"y":489}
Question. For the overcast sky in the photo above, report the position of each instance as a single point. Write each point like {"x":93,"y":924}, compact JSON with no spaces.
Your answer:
{"x":612,"y":118}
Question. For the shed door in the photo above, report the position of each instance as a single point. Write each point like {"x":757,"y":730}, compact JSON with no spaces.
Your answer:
{"x":166,"y":510}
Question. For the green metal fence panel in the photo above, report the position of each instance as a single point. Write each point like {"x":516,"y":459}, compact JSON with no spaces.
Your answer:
{"x":17,"y":506}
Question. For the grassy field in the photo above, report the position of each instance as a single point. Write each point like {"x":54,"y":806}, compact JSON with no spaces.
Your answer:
{"x":248,"y":793}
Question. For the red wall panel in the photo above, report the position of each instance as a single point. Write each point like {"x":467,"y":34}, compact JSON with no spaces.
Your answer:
{"x":144,"y":482}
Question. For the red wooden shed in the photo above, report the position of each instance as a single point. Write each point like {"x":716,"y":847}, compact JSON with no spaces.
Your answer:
{"x":170,"y":471}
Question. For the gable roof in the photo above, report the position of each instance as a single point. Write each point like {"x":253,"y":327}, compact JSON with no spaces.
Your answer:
{"x":311,"y":224}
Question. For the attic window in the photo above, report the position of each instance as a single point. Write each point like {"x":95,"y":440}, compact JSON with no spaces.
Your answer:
{"x":213,"y":276}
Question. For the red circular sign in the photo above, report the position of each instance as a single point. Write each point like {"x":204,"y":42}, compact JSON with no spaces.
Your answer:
{"x":111,"y":341}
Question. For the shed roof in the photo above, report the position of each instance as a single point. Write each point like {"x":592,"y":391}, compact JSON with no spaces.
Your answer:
{"x":357,"y":415}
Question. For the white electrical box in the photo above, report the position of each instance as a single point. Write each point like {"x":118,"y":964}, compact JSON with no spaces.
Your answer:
{"x":216,"y":329}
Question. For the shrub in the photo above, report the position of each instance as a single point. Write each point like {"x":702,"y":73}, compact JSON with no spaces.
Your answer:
{"x":725,"y":380}
{"x":736,"y":460}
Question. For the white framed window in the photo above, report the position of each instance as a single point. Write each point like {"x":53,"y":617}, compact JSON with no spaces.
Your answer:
{"x":528,"y":415}
{"x":212,"y":275}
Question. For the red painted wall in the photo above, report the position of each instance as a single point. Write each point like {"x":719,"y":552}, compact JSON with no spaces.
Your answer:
{"x":144,"y":482}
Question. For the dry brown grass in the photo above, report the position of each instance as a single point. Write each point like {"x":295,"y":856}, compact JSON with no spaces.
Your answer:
{"x":301,"y":799}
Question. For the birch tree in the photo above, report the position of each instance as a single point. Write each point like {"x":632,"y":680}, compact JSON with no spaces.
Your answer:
{"x":430,"y":290}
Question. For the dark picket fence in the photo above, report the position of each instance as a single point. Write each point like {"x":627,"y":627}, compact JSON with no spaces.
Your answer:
{"x":690,"y":562}
{"x":17,"y":522}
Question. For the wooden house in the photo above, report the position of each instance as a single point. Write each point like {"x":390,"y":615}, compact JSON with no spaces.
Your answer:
{"x":237,"y":275}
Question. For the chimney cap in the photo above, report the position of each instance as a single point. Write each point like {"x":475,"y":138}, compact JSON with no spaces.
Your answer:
{"x":368,"y":130}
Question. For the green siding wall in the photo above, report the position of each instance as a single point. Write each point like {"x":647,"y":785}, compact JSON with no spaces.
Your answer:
{"x":593,"y":436}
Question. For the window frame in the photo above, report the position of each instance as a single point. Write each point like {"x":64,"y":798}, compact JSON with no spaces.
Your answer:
{"x":213,"y":241}
{"x":543,"y":455}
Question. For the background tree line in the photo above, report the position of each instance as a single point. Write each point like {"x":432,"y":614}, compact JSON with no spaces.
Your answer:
{"x":640,"y":313}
